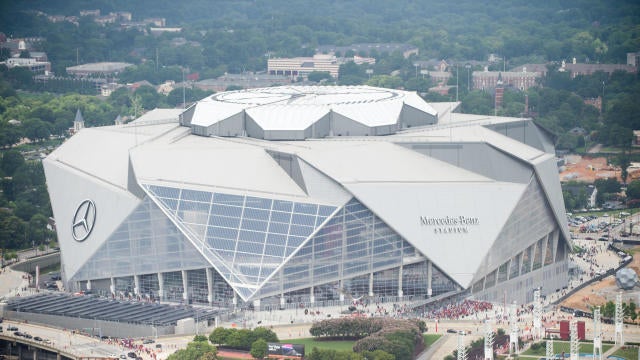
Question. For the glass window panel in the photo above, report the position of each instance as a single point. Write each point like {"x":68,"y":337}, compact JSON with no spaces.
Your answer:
{"x":274,"y":250}
{"x":281,"y":217}
{"x":537,"y":255}
{"x":281,"y":205}
{"x":295,"y":241}
{"x":278,"y":228}
{"x":302,"y":208}
{"x":355,"y":206}
{"x":300,"y":219}
{"x":231,"y":211}
{"x":276,"y":239}
{"x":526,"y":260}
{"x":257,"y":214}
{"x":224,"y":221}
{"x":548,"y":258}
{"x":226,"y":255}
{"x":167,"y":192}
{"x":490,"y":280}
{"x":255,"y":225}
{"x":224,"y":233}
{"x":228,"y":199}
{"x":194,"y":206}
{"x":252,"y":236}
{"x":250,"y":247}
{"x":259,"y":203}
{"x":219,"y":243}
{"x":515,"y":266}
{"x":194,"y":195}
{"x":170,"y":203}
{"x":502,"y":272}
{"x":325,"y":210}
{"x":300,"y":230}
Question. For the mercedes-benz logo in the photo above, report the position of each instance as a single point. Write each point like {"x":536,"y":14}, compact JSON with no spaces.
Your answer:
{"x":83,"y":220}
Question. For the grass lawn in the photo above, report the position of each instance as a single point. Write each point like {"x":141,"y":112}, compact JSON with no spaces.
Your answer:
{"x":429,"y":339}
{"x":310,"y":343}
{"x":630,"y":353}
{"x":560,"y":346}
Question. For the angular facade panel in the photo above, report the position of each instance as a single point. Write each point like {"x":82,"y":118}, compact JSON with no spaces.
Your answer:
{"x":146,"y":242}
{"x":247,"y":237}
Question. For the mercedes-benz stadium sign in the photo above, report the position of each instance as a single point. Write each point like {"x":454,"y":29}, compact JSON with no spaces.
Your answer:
{"x":83,"y":220}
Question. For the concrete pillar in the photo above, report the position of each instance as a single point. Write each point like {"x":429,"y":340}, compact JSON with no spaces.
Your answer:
{"x":160,"y":286}
{"x":370,"y":284}
{"x":400,"y":292}
{"x":112,"y":287}
{"x":35,"y":354}
{"x":185,"y":287}
{"x":340,"y":286}
{"x":58,"y":357}
{"x":136,"y":285}
{"x":235,"y":301}
{"x":312,"y":298}
{"x":256,"y":305}
{"x":429,"y":277}
{"x":209,"y":272}
{"x":282,"y":301}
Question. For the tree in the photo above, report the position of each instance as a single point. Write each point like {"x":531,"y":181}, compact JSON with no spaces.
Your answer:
{"x":378,"y":355}
{"x":208,"y":356}
{"x":633,"y":190}
{"x":266,"y":334}
{"x":569,"y":200}
{"x":317,"y":76}
{"x":259,"y":349}
{"x":11,"y":161}
{"x":220,"y":335}
{"x":194,"y":351}
{"x":200,"y":338}
{"x":623,"y":161}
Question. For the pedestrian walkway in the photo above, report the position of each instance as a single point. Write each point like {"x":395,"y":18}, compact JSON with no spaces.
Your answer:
{"x":13,"y":283}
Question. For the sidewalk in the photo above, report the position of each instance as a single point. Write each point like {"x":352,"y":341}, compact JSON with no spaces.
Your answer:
{"x":12,"y":283}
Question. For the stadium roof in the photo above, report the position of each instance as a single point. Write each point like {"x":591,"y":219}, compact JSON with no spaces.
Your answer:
{"x":297,"y":108}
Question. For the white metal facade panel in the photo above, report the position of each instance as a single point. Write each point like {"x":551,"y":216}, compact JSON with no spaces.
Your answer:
{"x":458,"y":254}
{"x":322,"y":187}
{"x":233,"y":166}
{"x":68,"y":188}
{"x":547,"y":172}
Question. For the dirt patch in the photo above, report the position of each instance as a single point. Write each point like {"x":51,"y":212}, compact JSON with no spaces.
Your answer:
{"x":591,"y":295}
{"x":598,"y":293}
{"x":588,"y":169}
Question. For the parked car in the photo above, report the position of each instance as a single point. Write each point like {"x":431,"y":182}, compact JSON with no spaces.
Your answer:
{"x":148,"y":341}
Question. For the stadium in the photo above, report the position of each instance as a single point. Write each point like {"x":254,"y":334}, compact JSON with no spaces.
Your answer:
{"x":310,"y":196}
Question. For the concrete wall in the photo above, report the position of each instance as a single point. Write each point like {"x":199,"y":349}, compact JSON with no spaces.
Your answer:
{"x":42,"y":261}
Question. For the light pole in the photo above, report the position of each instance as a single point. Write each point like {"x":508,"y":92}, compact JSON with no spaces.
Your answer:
{"x":602,"y":101}
{"x":456,"y":82}
{"x":468,"y":67}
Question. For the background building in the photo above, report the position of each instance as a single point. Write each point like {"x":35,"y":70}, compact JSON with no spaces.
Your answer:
{"x":104,"y":69}
{"x":283,"y":196}
{"x":303,"y":66}
{"x":521,"y":80}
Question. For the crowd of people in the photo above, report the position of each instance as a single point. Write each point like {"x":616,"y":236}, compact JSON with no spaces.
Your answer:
{"x":460,"y":310}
